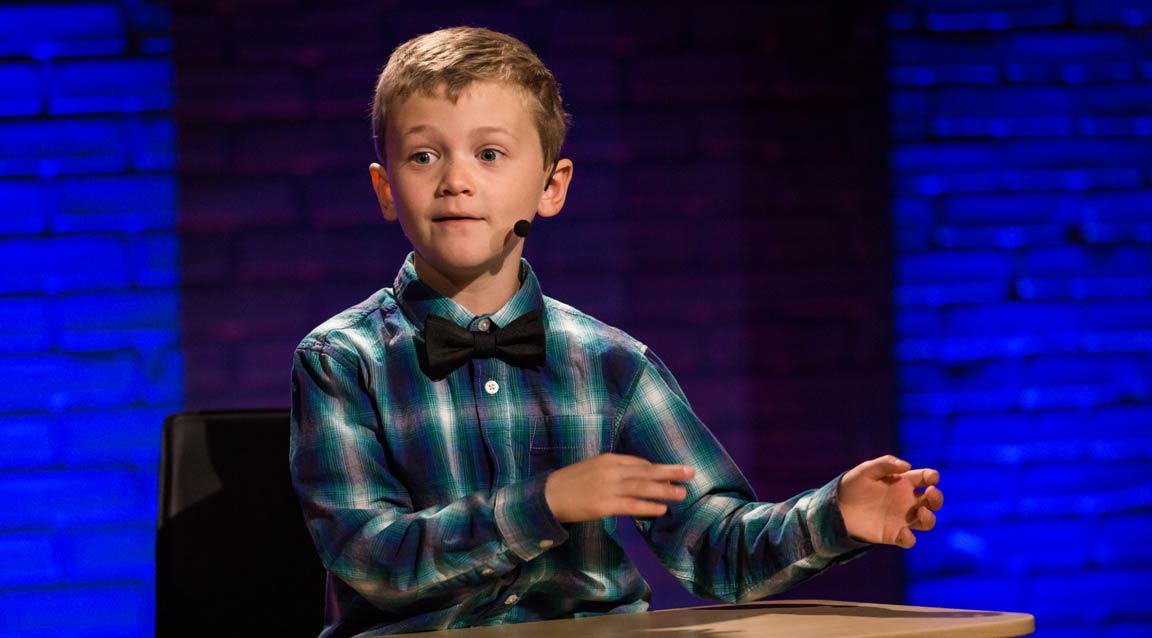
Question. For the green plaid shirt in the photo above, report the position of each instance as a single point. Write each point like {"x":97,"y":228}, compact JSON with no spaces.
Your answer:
{"x":426,"y":498}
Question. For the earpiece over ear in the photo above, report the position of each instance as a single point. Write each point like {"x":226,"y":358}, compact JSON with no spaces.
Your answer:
{"x":551,"y":174}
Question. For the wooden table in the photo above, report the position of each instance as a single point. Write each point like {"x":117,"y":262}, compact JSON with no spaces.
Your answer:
{"x":785,"y":618}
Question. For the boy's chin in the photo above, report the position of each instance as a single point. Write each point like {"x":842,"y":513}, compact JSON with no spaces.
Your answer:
{"x":468,"y":263}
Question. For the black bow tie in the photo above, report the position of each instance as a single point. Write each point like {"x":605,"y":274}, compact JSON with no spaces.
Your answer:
{"x":448,"y":346}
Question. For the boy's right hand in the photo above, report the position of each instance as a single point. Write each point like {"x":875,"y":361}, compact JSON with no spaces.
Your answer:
{"x":614,"y":485}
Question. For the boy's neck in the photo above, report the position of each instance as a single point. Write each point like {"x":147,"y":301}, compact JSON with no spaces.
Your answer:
{"x":480,"y":293}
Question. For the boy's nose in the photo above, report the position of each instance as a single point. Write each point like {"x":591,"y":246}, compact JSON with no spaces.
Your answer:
{"x":455,"y":180}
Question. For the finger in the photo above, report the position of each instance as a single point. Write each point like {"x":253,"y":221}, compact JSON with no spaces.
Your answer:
{"x":923,"y":478}
{"x":932,"y":498}
{"x":923,"y":519}
{"x":669,"y":472}
{"x":652,"y":472}
{"x":639,"y":507}
{"x":653,"y":490}
{"x":884,"y":466}
{"x":905,"y":538}
{"x":627,"y":460}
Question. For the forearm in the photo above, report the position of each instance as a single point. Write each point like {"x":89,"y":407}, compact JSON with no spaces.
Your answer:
{"x":719,"y":541}
{"x":396,"y":557}
{"x":736,"y":549}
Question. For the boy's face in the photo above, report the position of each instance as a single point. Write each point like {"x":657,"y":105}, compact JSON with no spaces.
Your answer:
{"x":459,"y":176}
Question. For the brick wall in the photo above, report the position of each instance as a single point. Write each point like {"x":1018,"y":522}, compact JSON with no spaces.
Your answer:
{"x":728,"y":208}
{"x":733,"y":150}
{"x":89,"y":309}
{"x":1023,"y":214}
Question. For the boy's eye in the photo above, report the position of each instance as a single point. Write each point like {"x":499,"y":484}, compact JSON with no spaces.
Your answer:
{"x":489,"y":155}
{"x":423,"y":157}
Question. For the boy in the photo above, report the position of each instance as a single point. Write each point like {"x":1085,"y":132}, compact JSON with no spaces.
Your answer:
{"x":462,"y":444}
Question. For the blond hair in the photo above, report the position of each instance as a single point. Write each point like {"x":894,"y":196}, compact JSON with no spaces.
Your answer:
{"x":451,"y":59}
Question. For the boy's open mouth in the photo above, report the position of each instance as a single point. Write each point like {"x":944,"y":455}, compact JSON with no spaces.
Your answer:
{"x":456,"y":217}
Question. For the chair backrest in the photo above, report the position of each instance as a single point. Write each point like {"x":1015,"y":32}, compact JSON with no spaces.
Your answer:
{"x":233,"y":556}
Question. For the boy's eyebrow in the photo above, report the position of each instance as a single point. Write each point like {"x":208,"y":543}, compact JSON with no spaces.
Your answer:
{"x":422,"y":128}
{"x":494,"y":129}
{"x":419,"y":128}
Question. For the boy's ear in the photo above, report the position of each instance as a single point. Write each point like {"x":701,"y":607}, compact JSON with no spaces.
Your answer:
{"x":383,"y":189}
{"x":556,"y":189}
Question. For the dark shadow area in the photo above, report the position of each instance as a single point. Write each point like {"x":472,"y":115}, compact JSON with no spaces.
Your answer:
{"x":233,"y":556}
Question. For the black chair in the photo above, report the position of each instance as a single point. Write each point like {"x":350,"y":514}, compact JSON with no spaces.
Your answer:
{"x":233,"y":556}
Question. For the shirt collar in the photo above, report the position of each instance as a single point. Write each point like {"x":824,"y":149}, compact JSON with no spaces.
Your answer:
{"x":417,"y":300}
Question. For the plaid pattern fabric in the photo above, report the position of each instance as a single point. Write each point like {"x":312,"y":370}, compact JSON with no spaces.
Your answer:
{"x":426,"y":498}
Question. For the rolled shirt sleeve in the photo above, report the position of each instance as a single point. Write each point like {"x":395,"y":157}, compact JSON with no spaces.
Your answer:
{"x":525,"y":521}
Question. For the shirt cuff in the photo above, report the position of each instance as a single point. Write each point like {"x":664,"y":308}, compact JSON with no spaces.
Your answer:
{"x":524,"y":519}
{"x":830,"y":537}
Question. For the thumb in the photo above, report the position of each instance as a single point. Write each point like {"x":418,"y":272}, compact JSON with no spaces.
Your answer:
{"x":886,"y":466}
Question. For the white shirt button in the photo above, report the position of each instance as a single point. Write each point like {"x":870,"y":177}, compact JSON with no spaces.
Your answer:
{"x":545,"y":544}
{"x":511,"y":600}
{"x":491,"y":387}
{"x":484,"y":325}
{"x":487,"y":571}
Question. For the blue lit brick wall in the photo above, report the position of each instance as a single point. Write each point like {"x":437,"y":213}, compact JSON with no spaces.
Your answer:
{"x":89,"y":310}
{"x":1023,"y":212}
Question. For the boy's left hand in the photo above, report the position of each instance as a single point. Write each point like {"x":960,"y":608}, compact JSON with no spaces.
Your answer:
{"x":880,"y":502}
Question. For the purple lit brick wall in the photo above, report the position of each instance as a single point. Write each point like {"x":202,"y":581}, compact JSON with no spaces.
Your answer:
{"x":729,"y":208}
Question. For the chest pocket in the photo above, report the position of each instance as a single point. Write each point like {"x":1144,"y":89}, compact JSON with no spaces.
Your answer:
{"x":560,"y":441}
